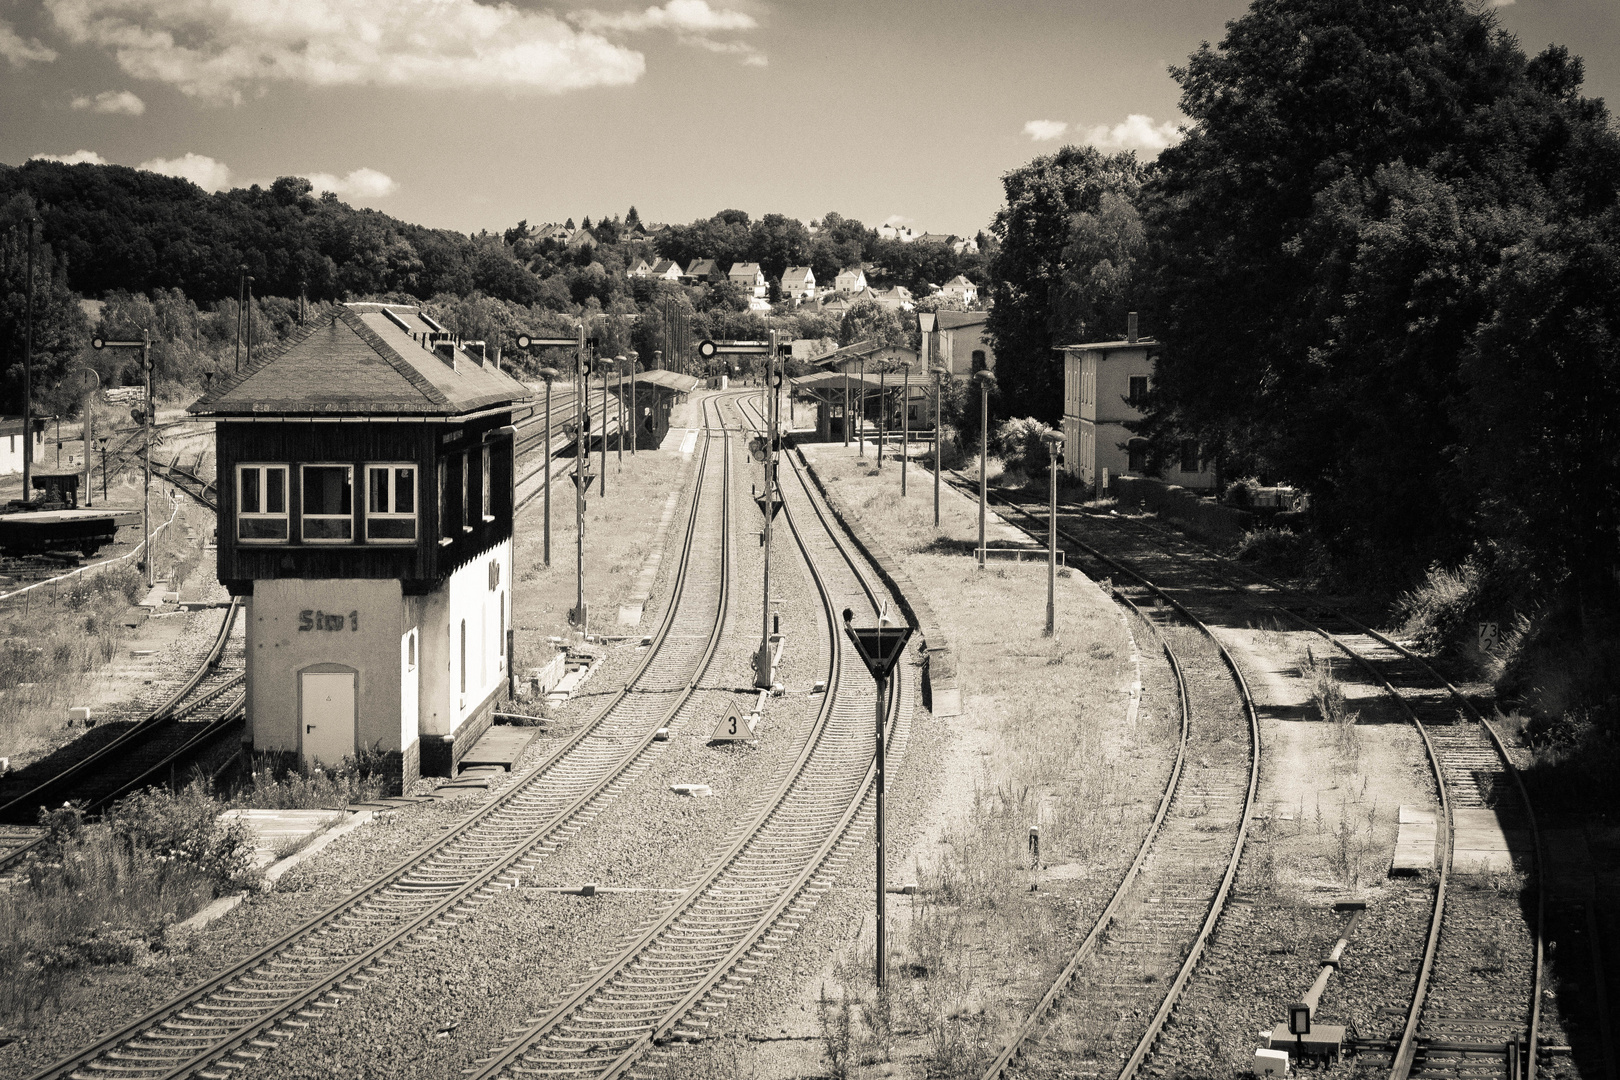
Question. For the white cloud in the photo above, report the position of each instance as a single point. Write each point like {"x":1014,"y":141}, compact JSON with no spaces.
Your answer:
{"x":221,"y":49}
{"x":112,"y":101}
{"x":694,"y":16}
{"x":78,"y":157}
{"x":205,"y":172}
{"x":1137,"y":132}
{"x":1499,"y":3}
{"x":19,"y":52}
{"x":361,"y":183}
{"x":1042,"y":130}
{"x":691,"y":21}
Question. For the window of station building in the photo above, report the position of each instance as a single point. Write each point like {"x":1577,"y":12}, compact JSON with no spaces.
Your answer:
{"x":391,"y":503}
{"x":1139,"y":389}
{"x":328,"y":503}
{"x":1138,"y":451}
{"x":466,"y":491}
{"x":261,"y":503}
{"x":484,"y":486}
{"x":1189,"y":455}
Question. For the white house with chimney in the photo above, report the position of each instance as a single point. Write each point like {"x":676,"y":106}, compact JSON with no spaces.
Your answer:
{"x":851,"y":279}
{"x":798,"y":283}
{"x":749,"y":279}
{"x":960,"y":288}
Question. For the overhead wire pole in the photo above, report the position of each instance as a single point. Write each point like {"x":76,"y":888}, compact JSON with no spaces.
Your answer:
{"x":582,"y":419}
{"x":28,"y":372}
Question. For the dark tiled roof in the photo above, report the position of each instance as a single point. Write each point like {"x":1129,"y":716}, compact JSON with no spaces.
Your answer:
{"x":951,"y":320}
{"x":358,"y":360}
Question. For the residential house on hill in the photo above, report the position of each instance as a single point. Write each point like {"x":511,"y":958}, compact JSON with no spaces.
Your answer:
{"x":935,"y":238}
{"x":581,"y":238}
{"x":960,"y":288}
{"x":851,"y":279}
{"x":799,"y":283}
{"x":667,"y":269}
{"x":960,"y":345}
{"x":748,"y":278}
{"x":897,"y":298}
{"x":700,"y":271}
{"x":901,"y":233}
{"x":641,"y":269}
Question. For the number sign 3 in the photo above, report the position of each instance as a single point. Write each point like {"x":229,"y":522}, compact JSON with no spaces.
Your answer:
{"x":324,"y":620}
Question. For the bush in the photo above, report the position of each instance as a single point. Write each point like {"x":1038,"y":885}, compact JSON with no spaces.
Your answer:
{"x":1437,"y":611}
{"x":184,"y":826}
{"x":1276,"y":550}
{"x":1021,"y":448}
{"x":1241,"y":493}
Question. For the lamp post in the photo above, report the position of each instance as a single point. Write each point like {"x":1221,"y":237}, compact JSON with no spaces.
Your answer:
{"x":603,"y":365}
{"x":883,"y":410}
{"x":987,"y":382}
{"x":846,"y":410}
{"x":582,"y":430}
{"x":861,"y":412}
{"x":618,"y":367}
{"x":925,"y":326}
{"x":549,"y":374}
{"x":905,"y":425}
{"x":145,"y":345}
{"x":1054,"y":450}
{"x":939,"y":390}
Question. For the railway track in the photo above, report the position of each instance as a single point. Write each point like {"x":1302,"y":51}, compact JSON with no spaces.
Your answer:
{"x":1125,"y":977}
{"x":683,"y":966}
{"x":1465,"y":1019}
{"x":244,"y":1012}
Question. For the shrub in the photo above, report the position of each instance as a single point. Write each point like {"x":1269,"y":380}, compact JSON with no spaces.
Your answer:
{"x":1280,"y":550}
{"x":184,"y":826}
{"x":1241,"y":493}
{"x":1437,"y":611}
{"x":1021,"y":448}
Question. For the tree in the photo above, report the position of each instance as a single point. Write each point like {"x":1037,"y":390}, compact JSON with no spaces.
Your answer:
{"x":1033,"y":230}
{"x":868,"y":320}
{"x":632,"y":219}
{"x":61,"y":330}
{"x":1324,"y":239}
{"x":1099,"y":271}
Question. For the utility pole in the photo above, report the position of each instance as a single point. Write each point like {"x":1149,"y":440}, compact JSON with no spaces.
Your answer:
{"x":939,"y":389}
{"x":905,"y":426}
{"x":146,"y":492}
{"x":768,"y":505}
{"x":618,"y":364}
{"x":1054,"y":449}
{"x":604,"y":427}
{"x":985,"y":380}
{"x":241,"y":312}
{"x":28,"y":374}
{"x":861,"y":438}
{"x":582,"y":426}
{"x":548,"y":374}
{"x":925,"y":326}
{"x":247,"y":317}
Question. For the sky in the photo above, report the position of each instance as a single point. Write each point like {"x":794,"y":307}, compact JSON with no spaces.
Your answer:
{"x":470,"y":115}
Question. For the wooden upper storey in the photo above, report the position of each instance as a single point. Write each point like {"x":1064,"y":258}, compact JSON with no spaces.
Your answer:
{"x":363,"y":448}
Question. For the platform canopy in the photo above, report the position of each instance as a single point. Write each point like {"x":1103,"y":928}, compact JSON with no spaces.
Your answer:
{"x":827,"y":383}
{"x":367,"y":360}
{"x":668,"y":380}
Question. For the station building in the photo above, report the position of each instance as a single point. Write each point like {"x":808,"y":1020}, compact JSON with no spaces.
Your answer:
{"x":1104,"y":383}
{"x":366,"y":496}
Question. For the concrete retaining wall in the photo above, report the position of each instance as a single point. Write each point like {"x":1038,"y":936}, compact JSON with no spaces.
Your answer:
{"x":1222,"y":524}
{"x":942,"y":693}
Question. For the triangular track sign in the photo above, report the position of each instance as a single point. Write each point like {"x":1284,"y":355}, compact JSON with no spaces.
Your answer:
{"x":880,"y":646}
{"x":770,"y":504}
{"x":582,"y":480}
{"x":732,"y":727}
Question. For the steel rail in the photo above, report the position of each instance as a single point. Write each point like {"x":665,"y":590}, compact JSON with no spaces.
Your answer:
{"x":217,"y":728}
{"x":1014,"y":1047}
{"x":1217,"y":905}
{"x":437,"y":900}
{"x":158,"y":716}
{"x":1407,"y":1047}
{"x":511,"y":1057}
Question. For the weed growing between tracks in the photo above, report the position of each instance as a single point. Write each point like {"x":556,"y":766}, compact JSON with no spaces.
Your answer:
{"x":1043,"y":741}
{"x":104,"y":892}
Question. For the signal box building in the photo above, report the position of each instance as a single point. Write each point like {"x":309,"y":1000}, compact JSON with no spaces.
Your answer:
{"x":365,"y":509}
{"x":1103,"y":386}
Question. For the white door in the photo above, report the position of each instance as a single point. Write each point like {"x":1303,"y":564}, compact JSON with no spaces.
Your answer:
{"x":327,"y":699}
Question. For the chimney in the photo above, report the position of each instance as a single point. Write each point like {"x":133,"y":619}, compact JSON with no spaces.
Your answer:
{"x":1130,"y":328}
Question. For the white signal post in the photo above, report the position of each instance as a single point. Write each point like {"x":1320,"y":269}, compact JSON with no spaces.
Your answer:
{"x":925,"y":324}
{"x":986,"y":381}
{"x":145,"y":345}
{"x":1054,"y":448}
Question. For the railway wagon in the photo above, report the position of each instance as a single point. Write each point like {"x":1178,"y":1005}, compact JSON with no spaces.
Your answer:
{"x":366,"y":473}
